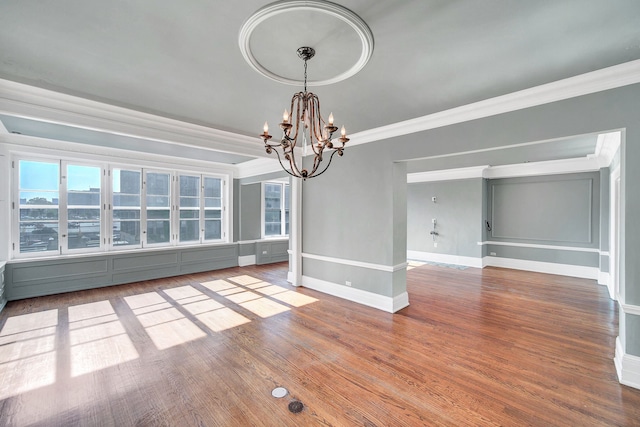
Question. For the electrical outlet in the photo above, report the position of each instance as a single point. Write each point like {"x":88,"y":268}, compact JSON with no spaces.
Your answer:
{"x":433,"y":221}
{"x":492,"y":253}
{"x":264,"y":252}
{"x":348,"y":283}
{"x":435,"y":244}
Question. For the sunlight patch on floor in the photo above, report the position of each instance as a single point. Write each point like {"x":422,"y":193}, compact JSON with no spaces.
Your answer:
{"x":98,"y":339}
{"x":27,"y":352}
{"x":166,"y":325}
{"x":413,"y":264}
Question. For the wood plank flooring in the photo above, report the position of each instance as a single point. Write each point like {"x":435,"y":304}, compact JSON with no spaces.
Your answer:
{"x":475,"y":348}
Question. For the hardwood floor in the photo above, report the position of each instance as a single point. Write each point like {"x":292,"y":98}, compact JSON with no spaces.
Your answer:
{"x":474,"y":348}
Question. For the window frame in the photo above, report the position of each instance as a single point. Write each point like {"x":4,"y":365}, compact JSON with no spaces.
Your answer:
{"x":224,"y":220}
{"x":112,"y":208}
{"x":283,"y":209}
{"x":171,"y":208}
{"x":107,"y":207}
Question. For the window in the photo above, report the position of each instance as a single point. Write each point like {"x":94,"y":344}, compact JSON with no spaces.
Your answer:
{"x":189,"y":208}
{"x":83,"y":206}
{"x":63,"y":207}
{"x":200,"y":208}
{"x":275,"y":220}
{"x":39,"y":206}
{"x":212,"y":208}
{"x":158,"y":207}
{"x":127,"y":207}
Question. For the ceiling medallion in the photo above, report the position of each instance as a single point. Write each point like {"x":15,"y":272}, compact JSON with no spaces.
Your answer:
{"x":325,"y":7}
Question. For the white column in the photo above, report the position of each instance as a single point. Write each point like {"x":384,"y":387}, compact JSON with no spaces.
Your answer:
{"x":295,"y":232}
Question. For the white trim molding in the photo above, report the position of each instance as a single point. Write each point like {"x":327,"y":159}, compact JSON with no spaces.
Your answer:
{"x":257,"y":167}
{"x":41,"y":104}
{"x":606,"y":147}
{"x":447,"y":175}
{"x":590,"y":163}
{"x":603,"y":278}
{"x":604,"y":79}
{"x":445,"y":258}
{"x":543,"y":267}
{"x":629,"y":309}
{"x":627,"y":366}
{"x":370,"y":299}
{"x":370,"y":266}
{"x":537,"y":246}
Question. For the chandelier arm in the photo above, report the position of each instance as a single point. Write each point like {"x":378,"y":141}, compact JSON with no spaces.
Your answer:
{"x":313,"y":174}
{"x":282,"y":165}
{"x":290,"y":156}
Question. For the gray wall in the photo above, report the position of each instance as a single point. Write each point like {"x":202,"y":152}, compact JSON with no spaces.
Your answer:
{"x":27,"y":279}
{"x":250,"y":224}
{"x":349,"y":212}
{"x":250,"y":208}
{"x":605,"y":195}
{"x":458,"y":213}
{"x":556,"y":210}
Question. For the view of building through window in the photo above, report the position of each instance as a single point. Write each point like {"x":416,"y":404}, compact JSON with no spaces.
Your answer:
{"x":276,"y":209}
{"x":64,"y":206}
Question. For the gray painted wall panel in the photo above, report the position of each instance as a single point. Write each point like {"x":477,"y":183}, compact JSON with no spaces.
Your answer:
{"x":376,"y":281}
{"x":139,"y":275}
{"x":586,"y":259}
{"x":630,"y":180}
{"x":633,"y":338}
{"x":272,"y":251}
{"x":246,"y":249}
{"x":52,"y":271}
{"x":250,"y":209}
{"x":139,"y":261}
{"x":45,"y":277}
{"x":206,"y":254}
{"x":556,"y":210}
{"x":236,"y":210}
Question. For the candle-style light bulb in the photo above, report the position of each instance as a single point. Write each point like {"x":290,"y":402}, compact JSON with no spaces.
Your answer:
{"x":331,"y":119}
{"x":343,"y":132}
{"x":285,"y":116}
{"x":266,"y":128}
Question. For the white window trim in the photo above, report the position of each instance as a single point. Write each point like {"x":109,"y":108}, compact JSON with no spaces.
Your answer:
{"x":283,"y":184}
{"x":172,"y":234}
{"x":106,"y":195}
{"x":201,"y":220}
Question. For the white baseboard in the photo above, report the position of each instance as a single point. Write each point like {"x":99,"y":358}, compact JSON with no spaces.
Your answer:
{"x":543,"y":267}
{"x":381,"y":302}
{"x":627,"y":366}
{"x":445,"y":259}
{"x":603,"y":278}
{"x":246,"y":260}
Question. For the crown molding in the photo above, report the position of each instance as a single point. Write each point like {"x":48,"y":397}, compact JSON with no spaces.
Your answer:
{"x":551,"y":167}
{"x":30,"y":102}
{"x":596,"y":81}
{"x":36,"y":146}
{"x":606,"y":147}
{"x":257,"y":167}
{"x":447,"y":175}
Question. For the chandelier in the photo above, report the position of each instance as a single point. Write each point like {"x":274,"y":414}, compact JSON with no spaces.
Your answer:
{"x":305,"y":128}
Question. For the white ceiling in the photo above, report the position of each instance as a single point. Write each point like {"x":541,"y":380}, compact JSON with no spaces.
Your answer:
{"x":181,"y":60}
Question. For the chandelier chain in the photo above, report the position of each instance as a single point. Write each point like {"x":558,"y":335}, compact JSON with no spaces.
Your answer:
{"x":305,"y":76}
